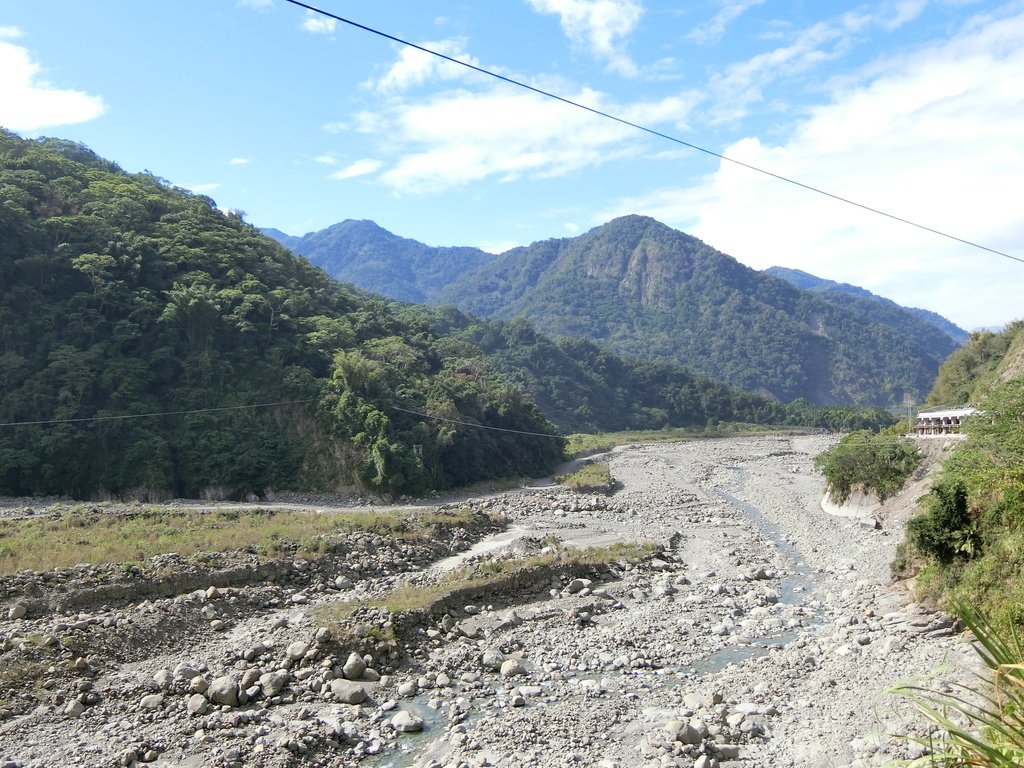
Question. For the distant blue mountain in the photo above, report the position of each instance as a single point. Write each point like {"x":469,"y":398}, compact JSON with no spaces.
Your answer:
{"x":809,"y":282}
{"x":366,"y":254}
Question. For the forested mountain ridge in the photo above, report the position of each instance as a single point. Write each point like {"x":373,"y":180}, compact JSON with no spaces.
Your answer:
{"x":830,"y":289}
{"x":121,"y":295}
{"x":987,"y":360}
{"x":584,"y":387}
{"x":363,"y":253}
{"x":642,"y":287}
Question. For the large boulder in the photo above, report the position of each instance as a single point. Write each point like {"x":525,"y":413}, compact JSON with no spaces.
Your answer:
{"x":224,"y":690}
{"x":348,"y":692}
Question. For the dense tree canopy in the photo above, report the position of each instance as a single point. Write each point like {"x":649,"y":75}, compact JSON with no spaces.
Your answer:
{"x":122,"y":295}
{"x":645,"y":289}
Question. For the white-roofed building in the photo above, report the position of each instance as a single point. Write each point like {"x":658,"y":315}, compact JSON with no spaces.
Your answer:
{"x":942,"y":420}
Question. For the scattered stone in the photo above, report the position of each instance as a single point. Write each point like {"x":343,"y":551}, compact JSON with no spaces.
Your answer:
{"x":354,"y":667}
{"x":348,"y":692}
{"x":297,"y":650}
{"x":74,"y":708}
{"x":224,"y":690}
{"x":406,"y":722}
{"x":512,"y":668}
{"x":197,"y":704}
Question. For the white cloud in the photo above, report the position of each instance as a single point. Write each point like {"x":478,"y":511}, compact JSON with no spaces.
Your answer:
{"x":256,"y":5}
{"x":414,"y":67}
{"x":204,"y":189}
{"x":239,"y":161}
{"x":318,"y":24}
{"x":460,"y":137}
{"x":326,"y":159}
{"x":713,"y":30}
{"x":505,"y":133}
{"x":936,"y":137}
{"x":358,"y":168}
{"x":336,"y":127}
{"x":369,"y":122}
{"x":28,"y":103}
{"x":497,"y":246}
{"x":743,"y":83}
{"x":598,"y":26}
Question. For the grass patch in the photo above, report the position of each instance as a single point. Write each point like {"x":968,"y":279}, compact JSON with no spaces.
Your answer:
{"x":583,"y":444}
{"x":420,"y":598}
{"x":590,"y":478}
{"x":80,"y":536}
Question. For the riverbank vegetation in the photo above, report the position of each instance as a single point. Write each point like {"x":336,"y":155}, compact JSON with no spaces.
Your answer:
{"x":875,"y":463}
{"x":966,"y":545}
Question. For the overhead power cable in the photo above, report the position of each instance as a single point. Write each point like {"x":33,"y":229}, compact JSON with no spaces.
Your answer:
{"x":122,"y":417}
{"x":477,"y":426}
{"x":126,"y":416}
{"x":653,"y":132}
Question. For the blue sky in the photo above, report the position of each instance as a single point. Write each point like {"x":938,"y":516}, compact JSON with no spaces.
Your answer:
{"x":912,"y":106}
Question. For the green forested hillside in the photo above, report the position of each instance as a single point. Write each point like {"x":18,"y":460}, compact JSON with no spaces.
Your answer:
{"x":984,"y":360}
{"x":967,"y":542}
{"x":642,"y":287}
{"x":584,"y":387}
{"x":366,"y":254}
{"x":122,"y":295}
{"x":886,"y":310}
{"x":646,"y":290}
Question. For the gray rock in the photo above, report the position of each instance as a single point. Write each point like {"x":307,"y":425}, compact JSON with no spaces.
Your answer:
{"x":492,"y":659}
{"x":152,"y":701}
{"x":185,"y":672}
{"x":578,"y":585}
{"x":295,"y":651}
{"x":512,"y":668}
{"x":348,"y":692}
{"x":75,"y":708}
{"x":370,"y":675}
{"x":406,"y":722}
{"x":250,"y":678}
{"x":273,"y":683}
{"x":197,"y":704}
{"x":224,"y":690}
{"x":164,"y":678}
{"x":680,"y":730}
{"x":408,"y":689}
{"x":17,"y":611}
{"x":354,"y":667}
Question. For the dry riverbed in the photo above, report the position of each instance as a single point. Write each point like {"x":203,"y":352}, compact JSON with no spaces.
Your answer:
{"x":760,"y":632}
